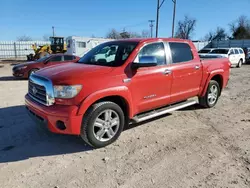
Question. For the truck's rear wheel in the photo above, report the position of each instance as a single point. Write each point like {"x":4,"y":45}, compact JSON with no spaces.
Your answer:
{"x":102,"y":124}
{"x":212,"y":95}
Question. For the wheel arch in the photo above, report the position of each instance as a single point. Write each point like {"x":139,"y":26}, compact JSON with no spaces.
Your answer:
{"x":118,"y":95}
{"x":217,"y":76}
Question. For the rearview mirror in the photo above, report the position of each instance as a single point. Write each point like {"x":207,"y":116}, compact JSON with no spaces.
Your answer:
{"x":145,"y":61}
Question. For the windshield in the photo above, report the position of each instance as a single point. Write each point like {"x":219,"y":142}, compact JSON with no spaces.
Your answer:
{"x":204,"y":51}
{"x":43,"y":58}
{"x":220,"y":51}
{"x":109,"y":54}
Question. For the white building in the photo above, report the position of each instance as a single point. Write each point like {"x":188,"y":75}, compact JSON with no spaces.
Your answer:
{"x":80,"y":45}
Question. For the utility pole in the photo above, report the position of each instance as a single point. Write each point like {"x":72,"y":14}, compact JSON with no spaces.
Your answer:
{"x":53,"y":30}
{"x":157,"y":15}
{"x":151,"y":25}
{"x":174,"y":1}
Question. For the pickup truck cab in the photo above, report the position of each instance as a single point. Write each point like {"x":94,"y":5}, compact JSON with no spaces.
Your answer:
{"x":24,"y":70}
{"x":145,"y":78}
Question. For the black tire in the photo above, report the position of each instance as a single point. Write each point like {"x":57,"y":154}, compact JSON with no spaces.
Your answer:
{"x":88,"y":129}
{"x":240,"y":63}
{"x":32,"y":71}
{"x":205,"y":101}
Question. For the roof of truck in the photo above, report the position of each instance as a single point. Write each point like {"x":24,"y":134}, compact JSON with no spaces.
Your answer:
{"x":153,"y":39}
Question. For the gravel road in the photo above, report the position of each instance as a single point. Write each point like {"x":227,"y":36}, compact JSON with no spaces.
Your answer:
{"x":193,"y":147}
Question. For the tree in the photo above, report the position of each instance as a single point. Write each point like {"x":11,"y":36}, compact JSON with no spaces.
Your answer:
{"x":240,"y":28}
{"x":113,"y":34}
{"x":46,"y":37}
{"x":219,"y":34}
{"x":24,"y":38}
{"x":145,"y":34}
{"x":185,"y":28}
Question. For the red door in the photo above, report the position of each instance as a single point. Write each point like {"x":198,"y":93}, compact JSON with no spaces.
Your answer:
{"x":186,"y":72}
{"x":150,"y":87}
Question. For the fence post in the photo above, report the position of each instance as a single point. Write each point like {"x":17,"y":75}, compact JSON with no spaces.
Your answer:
{"x":15,"y":49}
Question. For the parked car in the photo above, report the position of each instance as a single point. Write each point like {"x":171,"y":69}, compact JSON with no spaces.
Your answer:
{"x":205,"y":51}
{"x":236,"y":55}
{"x":24,"y":70}
{"x":247,"y":54}
{"x":146,"y":78}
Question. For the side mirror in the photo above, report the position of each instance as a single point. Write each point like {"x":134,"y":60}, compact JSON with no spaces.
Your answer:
{"x":145,"y":61}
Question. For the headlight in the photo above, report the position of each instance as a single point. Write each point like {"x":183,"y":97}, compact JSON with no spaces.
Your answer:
{"x":66,"y":91}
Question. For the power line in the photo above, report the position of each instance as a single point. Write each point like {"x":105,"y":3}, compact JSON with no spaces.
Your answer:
{"x":151,"y":25}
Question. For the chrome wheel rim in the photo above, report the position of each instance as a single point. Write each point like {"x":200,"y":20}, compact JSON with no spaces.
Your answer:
{"x":106,"y":125}
{"x":212,"y":94}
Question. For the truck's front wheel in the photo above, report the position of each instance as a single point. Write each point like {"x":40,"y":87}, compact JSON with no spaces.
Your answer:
{"x":212,"y":95}
{"x":102,"y":124}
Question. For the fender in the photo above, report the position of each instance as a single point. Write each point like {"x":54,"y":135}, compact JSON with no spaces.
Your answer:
{"x":210,"y":76}
{"x":121,"y":91}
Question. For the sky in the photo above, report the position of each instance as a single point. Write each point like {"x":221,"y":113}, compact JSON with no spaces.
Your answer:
{"x":35,"y":18}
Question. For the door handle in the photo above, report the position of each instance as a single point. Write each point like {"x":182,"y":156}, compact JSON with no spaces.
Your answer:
{"x":197,"y":67}
{"x":167,"y":71}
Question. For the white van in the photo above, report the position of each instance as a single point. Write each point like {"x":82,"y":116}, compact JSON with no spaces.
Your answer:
{"x":80,"y":45}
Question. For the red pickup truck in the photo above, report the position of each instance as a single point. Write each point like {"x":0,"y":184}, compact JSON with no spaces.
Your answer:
{"x":123,"y":81}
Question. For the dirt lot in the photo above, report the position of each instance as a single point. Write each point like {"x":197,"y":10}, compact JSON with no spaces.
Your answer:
{"x":189,"y":148}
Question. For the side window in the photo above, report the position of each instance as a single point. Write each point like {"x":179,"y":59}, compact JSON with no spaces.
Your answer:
{"x":155,"y":50}
{"x":68,"y":58}
{"x":181,"y":52}
{"x":81,"y":44}
{"x":241,"y":51}
{"x":231,"y":51}
{"x":56,"y":59}
{"x":236,"y":51}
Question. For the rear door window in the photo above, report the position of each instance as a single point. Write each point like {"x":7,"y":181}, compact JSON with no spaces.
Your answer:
{"x":68,"y":58}
{"x":56,"y":59}
{"x":181,"y":52}
{"x":236,"y":51}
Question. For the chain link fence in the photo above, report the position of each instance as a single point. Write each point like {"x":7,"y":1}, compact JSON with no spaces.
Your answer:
{"x":18,"y":49}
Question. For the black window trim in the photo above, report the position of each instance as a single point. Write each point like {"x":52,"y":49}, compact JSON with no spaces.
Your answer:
{"x":170,"y":54}
{"x":167,"y":60}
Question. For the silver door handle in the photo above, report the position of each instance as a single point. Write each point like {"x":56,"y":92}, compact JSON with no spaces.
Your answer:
{"x":197,"y":67}
{"x":167,"y":71}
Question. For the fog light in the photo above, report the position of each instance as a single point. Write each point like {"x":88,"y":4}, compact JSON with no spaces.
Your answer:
{"x":60,"y":125}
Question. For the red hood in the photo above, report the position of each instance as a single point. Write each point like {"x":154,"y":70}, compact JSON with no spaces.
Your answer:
{"x":71,"y":73}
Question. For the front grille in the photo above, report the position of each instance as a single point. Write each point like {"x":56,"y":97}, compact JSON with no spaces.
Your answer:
{"x":37,"y":92}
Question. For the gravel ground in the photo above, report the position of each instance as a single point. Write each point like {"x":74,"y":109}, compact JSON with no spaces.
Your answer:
{"x":189,"y":148}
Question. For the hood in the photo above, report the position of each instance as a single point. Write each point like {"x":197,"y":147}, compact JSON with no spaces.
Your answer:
{"x":25,"y":64}
{"x":72,"y":72}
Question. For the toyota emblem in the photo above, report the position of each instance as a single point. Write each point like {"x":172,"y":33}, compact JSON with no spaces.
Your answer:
{"x":34,"y":90}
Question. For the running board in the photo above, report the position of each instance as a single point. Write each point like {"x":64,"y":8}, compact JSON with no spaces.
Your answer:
{"x":162,"y":111}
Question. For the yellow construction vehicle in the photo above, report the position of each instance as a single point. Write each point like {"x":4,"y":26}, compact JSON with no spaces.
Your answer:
{"x":57,"y":45}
